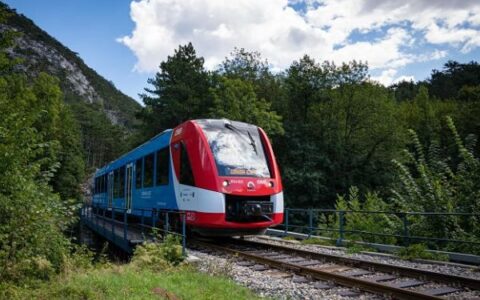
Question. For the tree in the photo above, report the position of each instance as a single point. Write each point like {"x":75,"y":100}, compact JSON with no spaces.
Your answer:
{"x":305,"y":81}
{"x":249,"y":67}
{"x":102,"y":141}
{"x":430,"y":181}
{"x":447,"y":83}
{"x":235,"y":99}
{"x":33,"y":217}
{"x":358,"y":131}
{"x":404,"y":90}
{"x":328,"y":143}
{"x":179,"y":93}
{"x":71,"y":172}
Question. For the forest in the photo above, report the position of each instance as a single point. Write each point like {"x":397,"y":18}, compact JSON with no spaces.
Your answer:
{"x":341,"y":140}
{"x":333,"y":128}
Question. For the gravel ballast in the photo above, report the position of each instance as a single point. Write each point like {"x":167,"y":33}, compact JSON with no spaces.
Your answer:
{"x":271,"y":283}
{"x":277,"y":284}
{"x":451,"y":269}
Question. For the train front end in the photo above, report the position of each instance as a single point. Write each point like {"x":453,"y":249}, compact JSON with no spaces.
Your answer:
{"x":235,"y":176}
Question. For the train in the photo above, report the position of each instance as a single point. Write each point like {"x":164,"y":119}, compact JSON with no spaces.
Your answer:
{"x":222,"y":174}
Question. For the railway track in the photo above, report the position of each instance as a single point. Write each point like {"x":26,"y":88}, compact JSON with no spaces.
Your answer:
{"x":394,"y":281}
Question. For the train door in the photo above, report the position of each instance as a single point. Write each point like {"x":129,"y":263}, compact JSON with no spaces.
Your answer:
{"x":129,"y":187}
{"x":183,"y":171}
{"x":110,"y":189}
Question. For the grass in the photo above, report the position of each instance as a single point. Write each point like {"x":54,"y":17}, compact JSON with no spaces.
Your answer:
{"x":318,"y":241}
{"x":129,"y":282}
{"x":419,"y":251}
{"x":356,"y":248}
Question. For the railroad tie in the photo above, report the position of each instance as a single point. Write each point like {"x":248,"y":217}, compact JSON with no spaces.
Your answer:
{"x":408,"y":283}
{"x":440,"y":291}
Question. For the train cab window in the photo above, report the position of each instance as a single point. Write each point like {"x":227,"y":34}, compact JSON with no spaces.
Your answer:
{"x":186,"y":174}
{"x":121,"y":186}
{"x":148,"y":171}
{"x":116,"y":183}
{"x":138,"y":174}
{"x":162,"y":166}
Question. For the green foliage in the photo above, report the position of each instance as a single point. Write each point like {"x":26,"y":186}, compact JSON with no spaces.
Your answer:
{"x":447,"y":83}
{"x":102,"y":142}
{"x":249,"y":67}
{"x":318,"y":241}
{"x":419,"y":251}
{"x":110,"y":98}
{"x":159,"y":256}
{"x":33,"y":217}
{"x":361,"y":220}
{"x":179,"y":92}
{"x":236,"y":100}
{"x":356,"y":248}
{"x":343,"y":132}
{"x":130,"y":282}
{"x":431,"y":182}
{"x":404,"y":90}
{"x":71,"y":172}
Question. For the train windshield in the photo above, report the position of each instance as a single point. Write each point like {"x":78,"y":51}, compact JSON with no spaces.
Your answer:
{"x":237,"y":148}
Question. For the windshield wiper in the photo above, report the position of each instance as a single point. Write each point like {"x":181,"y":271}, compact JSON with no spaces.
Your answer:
{"x":254,"y":146}
{"x":252,"y":141}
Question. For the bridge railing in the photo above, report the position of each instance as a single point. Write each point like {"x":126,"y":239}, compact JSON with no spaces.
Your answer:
{"x":126,"y":226}
{"x":452,"y":231}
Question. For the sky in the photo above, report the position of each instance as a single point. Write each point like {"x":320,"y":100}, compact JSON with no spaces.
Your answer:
{"x":125,"y":40}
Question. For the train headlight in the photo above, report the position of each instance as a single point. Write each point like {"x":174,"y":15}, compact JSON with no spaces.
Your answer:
{"x":225,"y":183}
{"x":271,"y":184}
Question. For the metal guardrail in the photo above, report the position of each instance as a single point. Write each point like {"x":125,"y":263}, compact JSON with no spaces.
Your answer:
{"x":108,"y":221}
{"x":339,"y":225}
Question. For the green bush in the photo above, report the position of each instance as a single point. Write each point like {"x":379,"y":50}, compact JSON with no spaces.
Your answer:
{"x":159,"y":256}
{"x":435,"y":181}
{"x":417,"y":251}
{"x":318,"y":241}
{"x":367,"y":222}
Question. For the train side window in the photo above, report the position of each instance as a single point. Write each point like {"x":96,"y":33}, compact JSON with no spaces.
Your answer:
{"x":102,"y":183}
{"x":138,"y":173}
{"x":104,"y":186}
{"x":148,"y":172}
{"x":162,"y":166}
{"x":186,"y":174}
{"x":99,"y":184}
{"x":116,"y":183}
{"x":121,"y":186}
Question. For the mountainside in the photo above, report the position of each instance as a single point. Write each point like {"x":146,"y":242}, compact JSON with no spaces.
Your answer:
{"x":41,"y":52}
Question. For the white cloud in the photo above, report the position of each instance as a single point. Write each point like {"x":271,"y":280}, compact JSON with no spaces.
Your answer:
{"x":388,"y":77}
{"x":394,"y":32}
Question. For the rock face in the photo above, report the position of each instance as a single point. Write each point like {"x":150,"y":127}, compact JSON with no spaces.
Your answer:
{"x":40,"y":52}
{"x":35,"y":53}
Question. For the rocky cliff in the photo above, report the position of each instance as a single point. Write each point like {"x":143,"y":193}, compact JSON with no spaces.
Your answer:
{"x":40,"y":52}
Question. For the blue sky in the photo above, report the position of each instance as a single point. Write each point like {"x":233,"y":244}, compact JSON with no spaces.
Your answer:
{"x":91,"y":28}
{"x":125,"y":42}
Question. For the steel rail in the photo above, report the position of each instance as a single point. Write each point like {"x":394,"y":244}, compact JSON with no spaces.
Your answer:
{"x":386,"y":268}
{"x":348,"y":281}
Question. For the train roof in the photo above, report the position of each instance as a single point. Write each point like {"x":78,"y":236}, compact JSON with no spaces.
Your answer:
{"x":159,"y":141}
